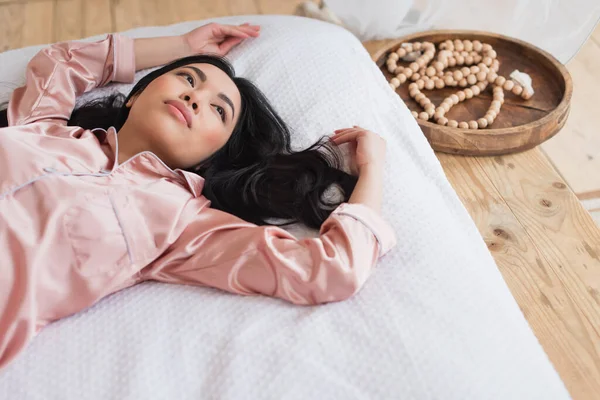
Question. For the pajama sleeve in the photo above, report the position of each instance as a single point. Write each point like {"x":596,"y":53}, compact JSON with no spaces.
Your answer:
{"x":59,"y":73}
{"x":222,"y":251}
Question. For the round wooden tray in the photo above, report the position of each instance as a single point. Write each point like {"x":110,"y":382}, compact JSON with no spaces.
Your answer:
{"x":521,"y":124}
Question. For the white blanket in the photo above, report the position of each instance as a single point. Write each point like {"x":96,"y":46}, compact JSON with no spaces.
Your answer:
{"x":435,"y":321}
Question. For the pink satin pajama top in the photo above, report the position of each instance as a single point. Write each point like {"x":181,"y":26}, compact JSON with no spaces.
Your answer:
{"x":76,"y":224}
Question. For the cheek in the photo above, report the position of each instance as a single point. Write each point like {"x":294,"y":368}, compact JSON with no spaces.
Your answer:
{"x":213,"y":139}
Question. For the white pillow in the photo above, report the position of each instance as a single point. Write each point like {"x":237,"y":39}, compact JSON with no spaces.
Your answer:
{"x":435,"y":321}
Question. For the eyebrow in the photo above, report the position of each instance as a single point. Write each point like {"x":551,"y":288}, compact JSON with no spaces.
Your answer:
{"x":223,"y":96}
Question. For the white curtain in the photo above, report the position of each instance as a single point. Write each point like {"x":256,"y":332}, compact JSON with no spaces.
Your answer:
{"x":557,"y":26}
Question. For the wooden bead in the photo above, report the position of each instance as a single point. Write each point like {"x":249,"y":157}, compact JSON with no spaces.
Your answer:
{"x":408,"y":72}
{"x":402,"y":78}
{"x":482,"y":123}
{"x":468,"y":93}
{"x":495,"y":104}
{"x":393,"y":56}
{"x":508,"y":85}
{"x":425,"y":103}
{"x":469,"y":60}
{"x":414,"y":66}
{"x":458,"y":75}
{"x":415,"y":114}
{"x":471,"y":79}
{"x":500,"y":80}
{"x":392,"y":87}
{"x":439,"y":66}
{"x":486,"y":47}
{"x":452,"y":123}
{"x":487,"y":61}
{"x":431,"y":71}
{"x":416,"y":46}
{"x":468,"y":45}
{"x":477,"y":45}
{"x":414,"y":92}
{"x":419,"y":96}
{"x":415,"y":76}
{"x":398,"y":70}
{"x":492,"y":54}
{"x":462,"y":83}
{"x":461,"y":95}
{"x":474,"y":69}
{"x":420,"y":84}
{"x":526,"y":94}
{"x":401,"y":52}
{"x":429,"y":85}
{"x":438,"y":115}
{"x":517,"y":89}
{"x":492,"y":76}
{"x":460,"y":60}
{"x":395,"y":82}
{"x":442,"y":121}
{"x":449,"y":81}
{"x":424,"y":116}
{"x":489,"y":119}
{"x":463,"y":125}
{"x":439,"y":84}
{"x":465,"y":71}
{"x":482,"y":85}
{"x":454,"y":98}
{"x":475,"y":90}
{"x":451,"y":61}
{"x":421,"y":62}
{"x":481,"y":76}
{"x":473,"y":125}
{"x":445,"y":106}
{"x":458,"y":45}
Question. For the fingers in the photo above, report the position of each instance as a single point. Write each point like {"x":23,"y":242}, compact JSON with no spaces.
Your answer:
{"x":345,"y":135}
{"x":243,"y":31}
{"x":228,"y":44}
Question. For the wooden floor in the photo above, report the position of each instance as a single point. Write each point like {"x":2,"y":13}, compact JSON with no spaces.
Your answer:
{"x":575,"y":151}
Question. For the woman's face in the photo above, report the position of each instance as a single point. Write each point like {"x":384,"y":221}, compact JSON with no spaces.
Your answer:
{"x":186,"y":114}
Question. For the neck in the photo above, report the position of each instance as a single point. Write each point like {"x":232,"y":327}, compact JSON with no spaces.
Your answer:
{"x":129,"y":144}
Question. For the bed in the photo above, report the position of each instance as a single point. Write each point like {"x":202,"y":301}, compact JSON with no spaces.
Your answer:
{"x":435,"y":321}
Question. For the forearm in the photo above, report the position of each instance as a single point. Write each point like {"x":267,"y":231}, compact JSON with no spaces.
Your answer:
{"x":152,"y":52}
{"x":369,"y":188}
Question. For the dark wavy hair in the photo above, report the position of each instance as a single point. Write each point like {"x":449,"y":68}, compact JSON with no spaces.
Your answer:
{"x":256,"y":175}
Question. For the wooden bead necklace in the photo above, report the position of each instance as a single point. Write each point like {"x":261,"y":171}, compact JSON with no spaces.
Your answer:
{"x":477,"y":68}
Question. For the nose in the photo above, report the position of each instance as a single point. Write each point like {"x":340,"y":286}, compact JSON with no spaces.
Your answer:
{"x":194,"y":104}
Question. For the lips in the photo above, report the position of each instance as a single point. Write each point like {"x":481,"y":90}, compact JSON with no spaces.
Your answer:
{"x":181,"y":109}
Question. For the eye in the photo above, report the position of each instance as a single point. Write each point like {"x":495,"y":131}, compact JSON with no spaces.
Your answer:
{"x":188,"y":77}
{"x":221,"y":112}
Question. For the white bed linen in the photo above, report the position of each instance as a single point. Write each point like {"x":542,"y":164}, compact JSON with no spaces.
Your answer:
{"x":435,"y":321}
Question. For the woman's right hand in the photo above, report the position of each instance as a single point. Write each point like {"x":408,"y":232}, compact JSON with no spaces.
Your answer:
{"x":368,"y":148}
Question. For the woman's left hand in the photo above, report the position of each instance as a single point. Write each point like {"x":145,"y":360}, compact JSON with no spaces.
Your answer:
{"x":218,"y":39}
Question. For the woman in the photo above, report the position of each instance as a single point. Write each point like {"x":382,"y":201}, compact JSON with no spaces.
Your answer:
{"x":174,"y":183}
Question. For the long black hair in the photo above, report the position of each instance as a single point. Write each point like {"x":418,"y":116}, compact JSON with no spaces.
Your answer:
{"x":256,"y":175}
